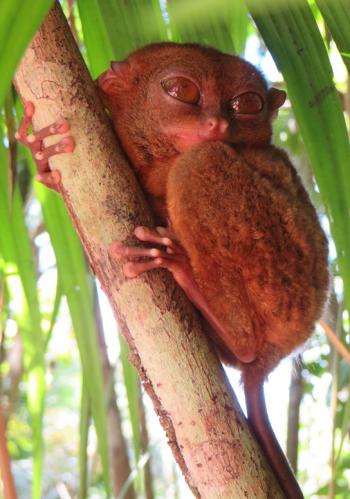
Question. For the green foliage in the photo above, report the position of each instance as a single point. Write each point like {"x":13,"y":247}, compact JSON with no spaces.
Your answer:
{"x":336,"y":13}
{"x":18,"y":22}
{"x":293,"y":38}
{"x":222,"y":24}
{"x":75,"y":284}
{"x":17,"y":267}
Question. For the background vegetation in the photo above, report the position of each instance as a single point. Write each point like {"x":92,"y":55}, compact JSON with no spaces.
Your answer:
{"x":62,"y":367}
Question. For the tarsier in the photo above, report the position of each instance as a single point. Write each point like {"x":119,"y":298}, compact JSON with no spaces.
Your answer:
{"x":238,"y":231}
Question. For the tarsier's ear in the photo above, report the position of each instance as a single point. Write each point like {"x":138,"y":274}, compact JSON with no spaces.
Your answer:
{"x":276,"y":99}
{"x":117,"y":77}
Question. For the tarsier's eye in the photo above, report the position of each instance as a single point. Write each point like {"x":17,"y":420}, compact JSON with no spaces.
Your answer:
{"x":247,"y":103}
{"x":182,"y":88}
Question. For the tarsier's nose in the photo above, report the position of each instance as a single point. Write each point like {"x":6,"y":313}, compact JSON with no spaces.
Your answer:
{"x":215,"y":128}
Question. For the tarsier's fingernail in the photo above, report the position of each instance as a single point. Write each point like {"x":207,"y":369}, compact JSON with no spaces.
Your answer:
{"x":128,"y":272}
{"x":154,"y":252}
{"x":17,"y":135}
{"x":31,"y":138}
{"x":39,"y":155}
{"x":116,"y":255}
{"x":56,"y":176}
{"x":139,"y":231}
{"x":29,"y":109}
{"x":166,"y":241}
{"x":67,"y":144}
{"x":115,"y":248}
{"x":116,"y":244}
{"x":61,"y":125}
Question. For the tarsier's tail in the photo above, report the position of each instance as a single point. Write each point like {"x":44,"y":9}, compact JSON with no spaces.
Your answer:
{"x":261,"y":427}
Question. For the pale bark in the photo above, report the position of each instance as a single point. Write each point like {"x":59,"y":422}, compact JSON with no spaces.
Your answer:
{"x":206,"y":429}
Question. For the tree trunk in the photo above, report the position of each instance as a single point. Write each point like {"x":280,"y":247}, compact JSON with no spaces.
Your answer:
{"x":206,"y":429}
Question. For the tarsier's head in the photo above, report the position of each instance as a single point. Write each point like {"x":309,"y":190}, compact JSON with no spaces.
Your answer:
{"x":165,"y":98}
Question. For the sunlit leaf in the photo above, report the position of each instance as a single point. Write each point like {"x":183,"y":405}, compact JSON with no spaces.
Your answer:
{"x":292,"y":36}
{"x":19,"y":271}
{"x":19,"y":20}
{"x":336,"y":13}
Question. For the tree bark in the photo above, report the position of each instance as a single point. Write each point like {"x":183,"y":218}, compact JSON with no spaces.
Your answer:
{"x":204,"y":424}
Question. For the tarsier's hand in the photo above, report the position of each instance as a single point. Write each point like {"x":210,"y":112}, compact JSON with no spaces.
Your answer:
{"x":172,"y":258}
{"x":41,"y":154}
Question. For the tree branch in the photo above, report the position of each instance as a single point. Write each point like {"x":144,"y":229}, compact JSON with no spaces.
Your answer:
{"x":206,"y":429}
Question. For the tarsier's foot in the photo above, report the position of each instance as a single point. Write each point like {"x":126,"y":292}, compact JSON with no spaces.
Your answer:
{"x":40,"y":153}
{"x":172,"y":257}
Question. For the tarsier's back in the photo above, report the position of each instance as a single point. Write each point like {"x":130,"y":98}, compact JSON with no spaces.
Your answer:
{"x":257,"y":251}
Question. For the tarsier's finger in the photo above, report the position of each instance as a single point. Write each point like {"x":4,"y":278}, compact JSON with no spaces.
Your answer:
{"x":118,"y":250}
{"x":134,"y":269}
{"x":173,"y":246}
{"x":158,"y":236}
{"x":60,"y":126}
{"x":21,"y":134}
{"x":64,"y":145}
{"x":151,"y":236}
{"x":50,"y":178}
{"x":166,"y":232}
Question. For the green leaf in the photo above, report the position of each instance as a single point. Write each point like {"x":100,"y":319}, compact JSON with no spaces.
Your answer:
{"x":19,"y":21}
{"x":112,"y":29}
{"x":336,"y":13}
{"x":84,"y":433}
{"x":74,"y":280}
{"x":292,"y":36}
{"x":19,"y":271}
{"x":221,"y":24}
{"x":131,"y":382}
{"x":73,"y":275}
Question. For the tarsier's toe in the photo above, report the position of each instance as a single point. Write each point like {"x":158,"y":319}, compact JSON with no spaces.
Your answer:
{"x":67,"y":144}
{"x":116,"y":250}
{"x":29,"y":109}
{"x":51,"y":179}
{"x":60,"y":126}
{"x":134,"y":269}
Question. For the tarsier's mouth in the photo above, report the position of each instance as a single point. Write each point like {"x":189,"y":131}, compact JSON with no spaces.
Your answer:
{"x":188,"y":138}
{"x":197,"y":138}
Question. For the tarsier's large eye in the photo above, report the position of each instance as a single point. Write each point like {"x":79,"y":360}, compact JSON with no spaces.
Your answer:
{"x":182,"y":88}
{"x":247,"y":103}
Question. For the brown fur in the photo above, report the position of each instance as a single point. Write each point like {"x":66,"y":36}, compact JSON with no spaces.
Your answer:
{"x":256,"y":250}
